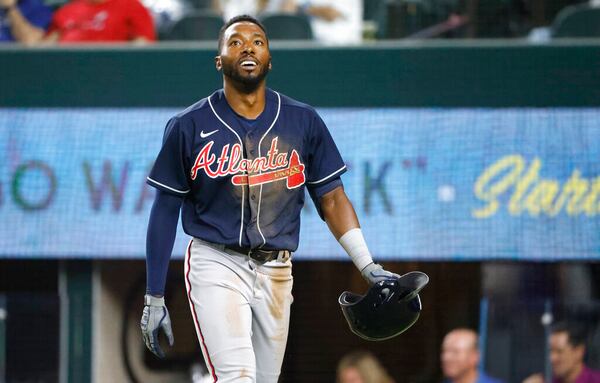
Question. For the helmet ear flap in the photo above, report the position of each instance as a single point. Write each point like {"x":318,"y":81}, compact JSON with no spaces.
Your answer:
{"x":388,"y":308}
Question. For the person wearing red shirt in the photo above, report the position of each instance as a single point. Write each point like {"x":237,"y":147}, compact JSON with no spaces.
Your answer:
{"x":94,"y":21}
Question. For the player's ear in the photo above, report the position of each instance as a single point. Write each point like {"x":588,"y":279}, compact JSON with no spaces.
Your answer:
{"x":218,"y":63}
{"x":270,"y":64}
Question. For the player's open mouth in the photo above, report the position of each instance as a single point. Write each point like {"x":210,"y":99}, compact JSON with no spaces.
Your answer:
{"x":248,"y":64}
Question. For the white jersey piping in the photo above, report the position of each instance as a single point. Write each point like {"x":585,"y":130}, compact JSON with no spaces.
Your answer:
{"x":259,"y":171}
{"x":329,"y":176}
{"x":167,"y":187}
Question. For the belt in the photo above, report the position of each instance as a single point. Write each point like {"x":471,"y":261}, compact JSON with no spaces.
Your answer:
{"x":260,"y":255}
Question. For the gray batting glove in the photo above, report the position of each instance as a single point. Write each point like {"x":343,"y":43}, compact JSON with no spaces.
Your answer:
{"x":155,"y":317}
{"x":374,"y":273}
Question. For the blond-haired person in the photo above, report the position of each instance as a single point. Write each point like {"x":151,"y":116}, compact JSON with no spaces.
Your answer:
{"x":361,"y":367}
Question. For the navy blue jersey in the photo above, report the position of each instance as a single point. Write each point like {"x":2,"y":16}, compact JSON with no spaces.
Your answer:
{"x":243,"y":181}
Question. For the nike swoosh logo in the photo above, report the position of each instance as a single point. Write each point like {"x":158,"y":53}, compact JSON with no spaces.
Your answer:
{"x":204,"y":135}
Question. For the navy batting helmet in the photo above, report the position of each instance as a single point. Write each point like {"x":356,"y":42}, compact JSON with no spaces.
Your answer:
{"x":388,"y":309}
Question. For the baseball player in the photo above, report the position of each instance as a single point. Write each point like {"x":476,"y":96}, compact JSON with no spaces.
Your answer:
{"x":238,"y":162}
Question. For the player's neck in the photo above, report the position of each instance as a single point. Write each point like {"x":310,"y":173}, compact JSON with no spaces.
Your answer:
{"x":247,"y":104}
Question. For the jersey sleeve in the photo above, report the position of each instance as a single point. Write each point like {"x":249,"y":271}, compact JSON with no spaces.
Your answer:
{"x":169,"y":172}
{"x":37,"y":13}
{"x":319,"y":191}
{"x":140,"y":22}
{"x":325,"y":162}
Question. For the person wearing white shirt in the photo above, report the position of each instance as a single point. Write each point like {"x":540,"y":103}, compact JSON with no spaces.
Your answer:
{"x":335,"y":22}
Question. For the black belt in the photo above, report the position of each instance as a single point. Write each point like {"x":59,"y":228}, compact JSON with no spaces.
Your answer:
{"x":260,"y":255}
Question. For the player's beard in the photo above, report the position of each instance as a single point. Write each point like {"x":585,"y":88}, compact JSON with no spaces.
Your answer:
{"x":247,"y":83}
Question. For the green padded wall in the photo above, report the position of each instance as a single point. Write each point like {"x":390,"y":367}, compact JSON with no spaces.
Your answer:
{"x":448,"y":74}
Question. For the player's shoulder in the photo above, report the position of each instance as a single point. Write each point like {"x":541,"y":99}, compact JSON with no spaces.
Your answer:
{"x":295,"y":105}
{"x":196,"y":111}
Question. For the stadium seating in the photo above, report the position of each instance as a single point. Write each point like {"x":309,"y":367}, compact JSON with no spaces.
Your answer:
{"x":200,"y":25}
{"x":284,"y":26}
{"x":201,"y":4}
{"x":577,"y":21}
{"x":403,"y":18}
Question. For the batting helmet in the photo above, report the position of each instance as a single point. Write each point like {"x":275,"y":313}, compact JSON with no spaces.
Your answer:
{"x":388,"y":309}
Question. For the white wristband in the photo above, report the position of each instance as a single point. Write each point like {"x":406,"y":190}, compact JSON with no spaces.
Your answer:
{"x":150,"y":300}
{"x":356,"y":247}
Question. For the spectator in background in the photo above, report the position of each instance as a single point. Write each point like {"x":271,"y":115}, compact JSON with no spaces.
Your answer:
{"x":460,"y":358}
{"x":334,"y":22}
{"x":166,"y":13}
{"x":567,"y":351}
{"x":361,"y":367}
{"x":23,"y":21}
{"x":95,"y":21}
{"x":230,"y":8}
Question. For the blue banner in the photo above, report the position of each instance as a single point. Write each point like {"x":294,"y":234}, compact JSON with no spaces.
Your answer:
{"x":427,"y":184}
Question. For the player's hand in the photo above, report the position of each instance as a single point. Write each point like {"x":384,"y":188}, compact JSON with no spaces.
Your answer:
{"x":374,"y":273}
{"x":155,"y":317}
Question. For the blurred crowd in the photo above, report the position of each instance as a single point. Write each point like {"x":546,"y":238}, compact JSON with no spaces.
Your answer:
{"x":34,"y":22}
{"x":460,"y":359}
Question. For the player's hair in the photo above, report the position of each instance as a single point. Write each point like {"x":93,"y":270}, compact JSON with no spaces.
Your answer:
{"x":239,"y":19}
{"x":367,"y":365}
{"x":576,"y":332}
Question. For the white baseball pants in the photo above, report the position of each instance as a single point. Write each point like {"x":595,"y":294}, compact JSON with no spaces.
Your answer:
{"x":241,"y":312}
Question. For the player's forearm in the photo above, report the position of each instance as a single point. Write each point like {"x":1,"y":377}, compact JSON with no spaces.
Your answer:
{"x":338,"y":212}
{"x":162,"y":228}
{"x":343,"y":223}
{"x":23,"y":31}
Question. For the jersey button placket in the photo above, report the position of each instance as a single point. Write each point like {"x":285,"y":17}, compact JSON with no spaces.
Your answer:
{"x":251,"y":148}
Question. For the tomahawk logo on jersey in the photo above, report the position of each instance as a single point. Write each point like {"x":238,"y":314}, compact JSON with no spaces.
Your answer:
{"x":257,"y":168}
